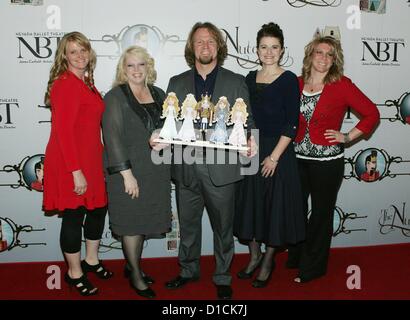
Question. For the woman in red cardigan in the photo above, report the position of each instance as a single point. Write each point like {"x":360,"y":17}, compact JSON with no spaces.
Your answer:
{"x":73,"y":170}
{"x":325,"y":97}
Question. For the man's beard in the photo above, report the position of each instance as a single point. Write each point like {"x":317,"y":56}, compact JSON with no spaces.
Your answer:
{"x":206,"y":60}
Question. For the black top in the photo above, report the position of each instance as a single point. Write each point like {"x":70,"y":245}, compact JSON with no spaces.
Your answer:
{"x":277,"y":103}
{"x":149,"y":113}
{"x":206,"y":86}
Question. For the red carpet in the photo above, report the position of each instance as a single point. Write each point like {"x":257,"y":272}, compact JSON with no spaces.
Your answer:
{"x":385,"y":274}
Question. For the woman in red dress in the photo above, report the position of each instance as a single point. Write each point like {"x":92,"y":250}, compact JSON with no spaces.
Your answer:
{"x":73,"y":170}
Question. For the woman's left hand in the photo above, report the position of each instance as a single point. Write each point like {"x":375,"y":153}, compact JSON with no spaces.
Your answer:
{"x":334,"y":136}
{"x":268,"y":167}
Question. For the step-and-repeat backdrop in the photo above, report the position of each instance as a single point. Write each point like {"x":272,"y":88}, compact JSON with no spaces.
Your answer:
{"x":375,"y":37}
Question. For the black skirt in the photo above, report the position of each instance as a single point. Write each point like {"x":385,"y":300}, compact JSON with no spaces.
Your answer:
{"x":270,"y":210}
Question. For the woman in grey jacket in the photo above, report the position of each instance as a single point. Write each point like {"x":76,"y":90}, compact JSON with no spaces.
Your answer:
{"x":139,"y":191}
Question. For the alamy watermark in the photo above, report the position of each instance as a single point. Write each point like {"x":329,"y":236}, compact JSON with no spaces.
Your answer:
{"x":54,"y":280}
{"x":191,"y":154}
{"x":354,"y":281}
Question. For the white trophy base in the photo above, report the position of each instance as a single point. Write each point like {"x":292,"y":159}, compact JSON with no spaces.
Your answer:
{"x":200,"y":143}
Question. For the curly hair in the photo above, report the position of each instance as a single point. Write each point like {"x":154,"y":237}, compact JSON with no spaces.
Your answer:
{"x":139,"y":53}
{"x":216,"y":33}
{"x":60,"y":64}
{"x":335,"y":72}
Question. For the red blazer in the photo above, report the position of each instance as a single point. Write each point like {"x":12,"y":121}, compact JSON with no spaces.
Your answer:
{"x":331,"y":108}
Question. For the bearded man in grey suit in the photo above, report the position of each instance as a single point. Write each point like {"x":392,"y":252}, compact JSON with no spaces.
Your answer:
{"x":208,"y":185}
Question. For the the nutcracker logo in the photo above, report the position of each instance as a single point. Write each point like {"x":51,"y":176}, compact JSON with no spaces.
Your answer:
{"x":315,"y":3}
{"x":10,"y":233}
{"x":401,"y":106}
{"x":372,"y":164}
{"x":245,"y":53}
{"x":156,"y":41}
{"x":346,"y":222}
{"x":148,"y":37}
{"x":28,"y":173}
{"x":395,"y":218}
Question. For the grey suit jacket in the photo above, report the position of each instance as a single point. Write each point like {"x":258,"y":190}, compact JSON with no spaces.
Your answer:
{"x":230,"y":85}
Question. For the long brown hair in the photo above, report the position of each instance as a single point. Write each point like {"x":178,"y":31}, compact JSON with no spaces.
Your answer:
{"x":335,"y":72}
{"x":60,"y":64}
{"x":216,"y":33}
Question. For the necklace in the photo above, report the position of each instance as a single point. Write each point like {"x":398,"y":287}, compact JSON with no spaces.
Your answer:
{"x":314,"y":85}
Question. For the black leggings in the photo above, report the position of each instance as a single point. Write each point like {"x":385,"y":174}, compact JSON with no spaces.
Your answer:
{"x":71,"y":231}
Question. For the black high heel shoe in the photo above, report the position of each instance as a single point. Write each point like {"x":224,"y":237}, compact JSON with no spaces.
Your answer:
{"x":263,"y":283}
{"x":82,"y":285}
{"x":146,"y":293}
{"x":147,"y":278}
{"x":98,"y":269}
{"x":247,"y":275}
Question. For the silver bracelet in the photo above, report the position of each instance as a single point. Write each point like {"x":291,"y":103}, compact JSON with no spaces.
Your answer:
{"x":273,"y":160}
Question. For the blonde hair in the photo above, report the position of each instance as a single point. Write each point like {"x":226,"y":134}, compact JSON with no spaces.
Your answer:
{"x":335,"y":72}
{"x":139,"y":53}
{"x":189,"y":101}
{"x":239,"y":106}
{"x":165,"y":105}
{"x":222,"y":103}
{"x":222,"y":106}
{"x":60,"y":64}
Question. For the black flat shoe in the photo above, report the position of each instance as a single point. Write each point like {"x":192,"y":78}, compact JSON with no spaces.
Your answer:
{"x":147,"y":279}
{"x":98,"y":269}
{"x":179,"y":282}
{"x":247,"y":275}
{"x":82,"y":285}
{"x":146,"y":293}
